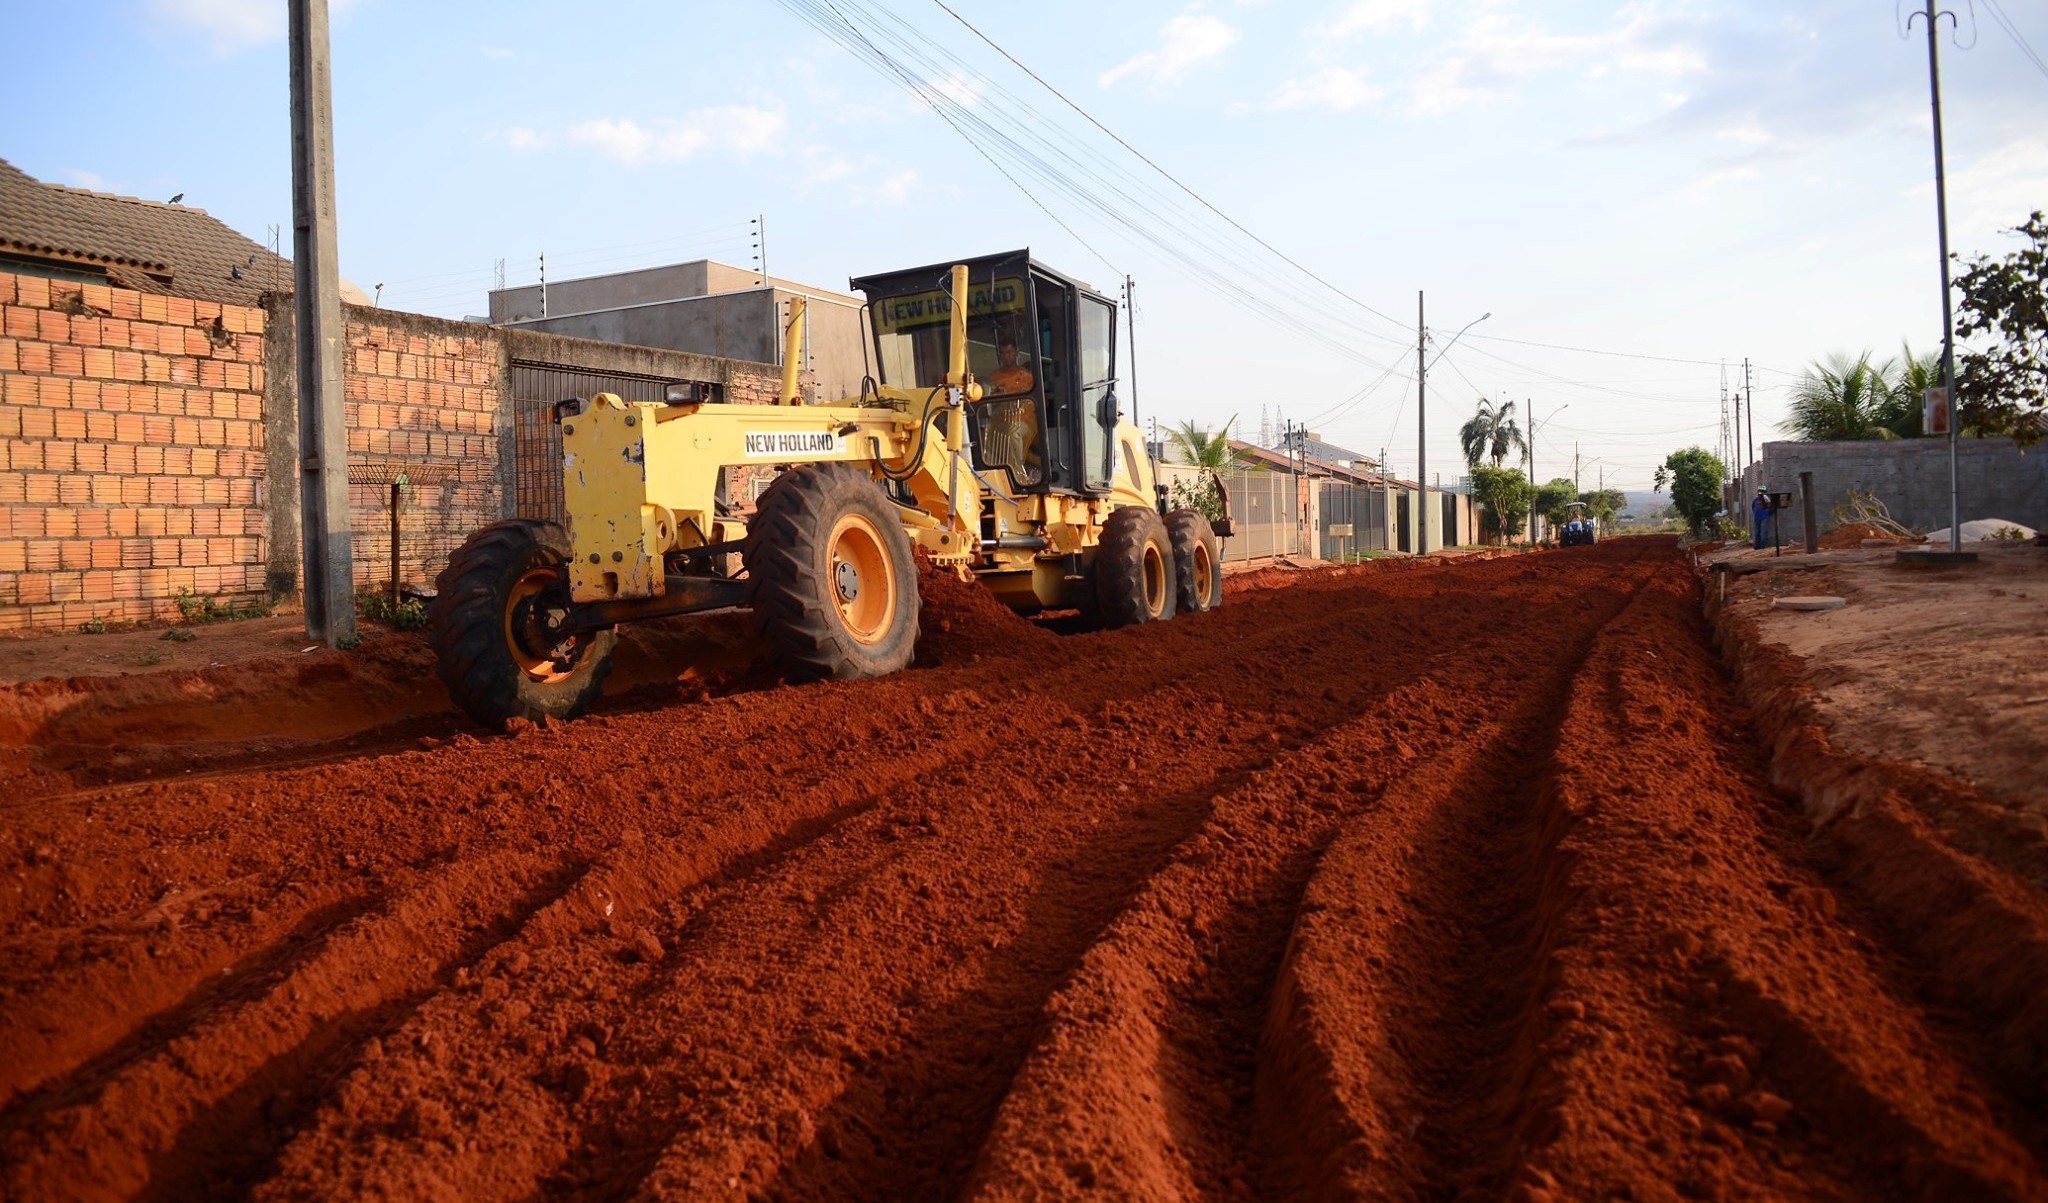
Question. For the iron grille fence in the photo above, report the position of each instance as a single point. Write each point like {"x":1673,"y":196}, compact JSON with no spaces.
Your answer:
{"x":1350,"y":519}
{"x":537,"y":441}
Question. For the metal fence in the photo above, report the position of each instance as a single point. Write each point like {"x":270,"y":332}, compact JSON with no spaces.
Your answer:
{"x":1350,"y":519}
{"x":537,"y":441}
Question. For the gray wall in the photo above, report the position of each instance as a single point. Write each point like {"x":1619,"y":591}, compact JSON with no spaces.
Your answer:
{"x":1911,"y":477}
{"x":733,"y":325}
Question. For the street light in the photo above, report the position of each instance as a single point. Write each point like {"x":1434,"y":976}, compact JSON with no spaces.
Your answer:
{"x":1422,"y":421}
{"x":1533,"y":424}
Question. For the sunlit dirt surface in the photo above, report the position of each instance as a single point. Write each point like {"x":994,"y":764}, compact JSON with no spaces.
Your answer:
{"x":1408,"y":880}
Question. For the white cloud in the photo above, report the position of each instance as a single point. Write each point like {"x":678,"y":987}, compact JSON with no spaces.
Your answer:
{"x":1184,"y":42}
{"x":81,"y":178}
{"x":497,"y":52}
{"x":233,"y":24}
{"x":1498,"y":48}
{"x":958,"y":88}
{"x":896,"y":189}
{"x":1378,"y":16}
{"x":519,"y":137}
{"x":739,"y":129}
{"x":1333,"y":88}
{"x":822,"y":166}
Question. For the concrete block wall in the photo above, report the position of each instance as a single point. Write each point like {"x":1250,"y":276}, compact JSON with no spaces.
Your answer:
{"x":1998,"y":479}
{"x":133,"y":435}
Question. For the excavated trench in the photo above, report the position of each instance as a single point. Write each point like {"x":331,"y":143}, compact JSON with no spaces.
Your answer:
{"x":1422,"y":880}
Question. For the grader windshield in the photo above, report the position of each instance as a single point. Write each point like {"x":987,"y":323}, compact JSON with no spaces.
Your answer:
{"x":1041,"y":346}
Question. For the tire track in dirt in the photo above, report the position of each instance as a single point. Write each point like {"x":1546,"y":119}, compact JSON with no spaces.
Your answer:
{"x":1066,"y":730}
{"x":1797,"y":1071}
{"x":177,"y":1111}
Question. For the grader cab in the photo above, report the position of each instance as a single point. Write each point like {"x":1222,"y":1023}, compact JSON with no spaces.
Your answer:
{"x":990,"y":437}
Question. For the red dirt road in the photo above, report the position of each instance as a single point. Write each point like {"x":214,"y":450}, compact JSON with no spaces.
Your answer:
{"x":1404,"y":880}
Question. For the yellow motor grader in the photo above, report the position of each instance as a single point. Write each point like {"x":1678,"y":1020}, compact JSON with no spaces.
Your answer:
{"x":992,"y":440}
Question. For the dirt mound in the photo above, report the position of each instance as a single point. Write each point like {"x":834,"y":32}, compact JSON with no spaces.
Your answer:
{"x":1459,"y":878}
{"x":962,"y":621}
{"x":1852,"y":534}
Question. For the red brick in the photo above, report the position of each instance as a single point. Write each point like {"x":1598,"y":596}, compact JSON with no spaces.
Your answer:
{"x":155,"y":308}
{"x":32,"y":291}
{"x":38,"y":424}
{"x":70,"y":424}
{"x":52,"y":327}
{"x":180,"y":310}
{"x":43,"y":555}
{"x":125,"y":303}
{"x":34,"y":357}
{"x":127,"y":365}
{"x":13,"y":555}
{"x":106,"y":553}
{"x":19,"y":322}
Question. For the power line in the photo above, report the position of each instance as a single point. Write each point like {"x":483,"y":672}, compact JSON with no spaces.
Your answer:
{"x":2004,"y":22}
{"x":1162,"y":171}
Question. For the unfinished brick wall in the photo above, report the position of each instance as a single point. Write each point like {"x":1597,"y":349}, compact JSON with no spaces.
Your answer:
{"x":148,"y":444}
{"x":424,"y":398}
{"x":132,"y":425}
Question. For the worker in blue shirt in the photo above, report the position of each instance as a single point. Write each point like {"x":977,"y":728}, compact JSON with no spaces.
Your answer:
{"x":1760,"y":518}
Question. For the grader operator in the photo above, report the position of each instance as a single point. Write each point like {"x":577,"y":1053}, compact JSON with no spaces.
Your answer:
{"x":992,"y":440}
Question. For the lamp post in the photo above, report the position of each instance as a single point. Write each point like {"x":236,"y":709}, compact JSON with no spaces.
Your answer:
{"x":1422,"y":420}
{"x":1533,"y":424}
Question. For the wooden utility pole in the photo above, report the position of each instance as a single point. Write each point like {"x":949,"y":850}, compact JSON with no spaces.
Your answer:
{"x":329,"y":565}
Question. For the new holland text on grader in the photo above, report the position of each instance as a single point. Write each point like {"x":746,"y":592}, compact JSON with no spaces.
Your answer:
{"x":993,"y":440}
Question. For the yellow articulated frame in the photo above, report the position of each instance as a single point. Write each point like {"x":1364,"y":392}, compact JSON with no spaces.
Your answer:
{"x":638,"y":480}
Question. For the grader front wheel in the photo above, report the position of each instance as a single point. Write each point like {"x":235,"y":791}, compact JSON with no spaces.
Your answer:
{"x":499,"y":633}
{"x":831,"y":578}
{"x":1197,"y":561}
{"x":1134,"y":574}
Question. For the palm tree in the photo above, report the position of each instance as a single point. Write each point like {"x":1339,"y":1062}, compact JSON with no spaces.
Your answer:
{"x":1840,"y":398}
{"x":1200,"y":448}
{"x":1492,"y":433}
{"x":1906,"y":381}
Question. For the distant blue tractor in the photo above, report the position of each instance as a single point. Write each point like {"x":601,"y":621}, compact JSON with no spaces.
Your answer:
{"x":1578,"y":528}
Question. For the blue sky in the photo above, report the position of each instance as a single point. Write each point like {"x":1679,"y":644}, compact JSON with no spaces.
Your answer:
{"x":1662,"y":180}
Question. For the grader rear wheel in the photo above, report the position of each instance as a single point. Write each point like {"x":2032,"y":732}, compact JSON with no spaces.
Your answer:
{"x":1197,"y":561}
{"x":831,"y":578}
{"x":1134,"y":573}
{"x":499,"y":632}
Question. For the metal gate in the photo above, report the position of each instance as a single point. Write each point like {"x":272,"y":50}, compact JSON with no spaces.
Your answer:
{"x":1351,"y":519}
{"x":537,"y":441}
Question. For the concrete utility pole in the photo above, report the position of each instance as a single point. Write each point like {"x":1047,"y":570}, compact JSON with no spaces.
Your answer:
{"x":1948,"y":319}
{"x":1575,"y":466}
{"x":1749,"y":395}
{"x":329,"y":565}
{"x":1421,"y":433}
{"x":1131,"y":344}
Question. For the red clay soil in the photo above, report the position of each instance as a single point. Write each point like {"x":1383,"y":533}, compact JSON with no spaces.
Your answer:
{"x":1407,"y":879}
{"x":1852,"y":534}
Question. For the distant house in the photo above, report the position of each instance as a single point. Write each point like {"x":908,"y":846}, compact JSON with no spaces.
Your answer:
{"x":70,"y":234}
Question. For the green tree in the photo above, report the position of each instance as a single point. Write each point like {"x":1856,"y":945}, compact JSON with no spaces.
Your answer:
{"x":1491,"y":433}
{"x":1552,"y":498}
{"x":1840,"y":398}
{"x":1694,"y":476}
{"x":1504,"y":495}
{"x":2003,"y":383}
{"x":1198,"y":447}
{"x":1906,"y":381}
{"x":1204,"y":450}
{"x":1604,"y":504}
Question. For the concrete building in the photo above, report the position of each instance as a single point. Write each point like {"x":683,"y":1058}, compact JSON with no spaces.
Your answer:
{"x":705,"y":308}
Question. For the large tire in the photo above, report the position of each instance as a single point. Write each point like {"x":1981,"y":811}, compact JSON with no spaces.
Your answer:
{"x":1197,"y":562}
{"x":830,"y":575}
{"x":1134,"y":576}
{"x":491,"y":628}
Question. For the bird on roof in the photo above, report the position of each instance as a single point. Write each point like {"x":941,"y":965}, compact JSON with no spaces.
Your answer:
{"x":174,"y":200}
